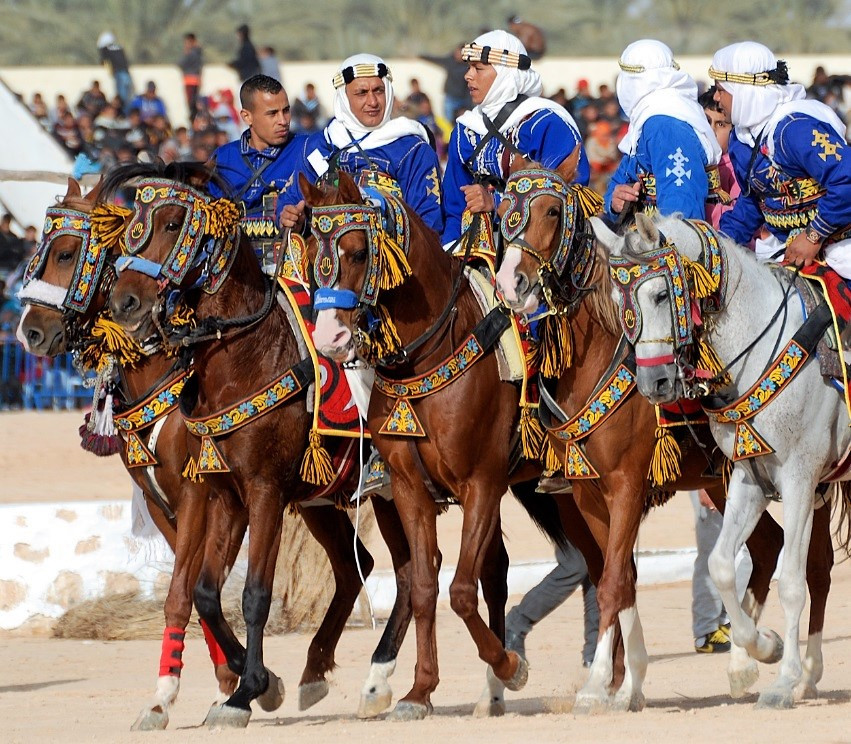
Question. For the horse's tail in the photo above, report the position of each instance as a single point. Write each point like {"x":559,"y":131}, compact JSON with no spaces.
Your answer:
{"x":543,"y":510}
{"x":843,"y":524}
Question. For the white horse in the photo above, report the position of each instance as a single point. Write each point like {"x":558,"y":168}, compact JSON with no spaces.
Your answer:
{"x":803,"y":431}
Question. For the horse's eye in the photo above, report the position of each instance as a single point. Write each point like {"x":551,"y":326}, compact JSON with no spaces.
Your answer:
{"x":359,"y":257}
{"x":660,"y":297}
{"x":172,"y":226}
{"x":64,"y":257}
{"x":553,"y":212}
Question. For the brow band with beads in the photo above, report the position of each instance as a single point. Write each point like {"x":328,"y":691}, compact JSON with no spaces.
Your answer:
{"x":489,"y":56}
{"x":352,"y":72}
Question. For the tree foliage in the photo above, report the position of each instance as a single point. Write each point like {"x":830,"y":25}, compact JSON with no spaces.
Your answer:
{"x":65,"y":31}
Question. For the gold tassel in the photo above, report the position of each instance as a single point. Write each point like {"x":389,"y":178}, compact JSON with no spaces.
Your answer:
{"x":532,"y":433}
{"x":701,"y":281}
{"x":110,"y":339}
{"x":393,"y":266}
{"x":182,"y":315}
{"x":550,"y":459}
{"x":385,"y":338}
{"x":707,"y":359}
{"x":190,"y":471}
{"x":665,"y":465}
{"x":556,"y":348}
{"x":316,"y":466}
{"x":222,"y":217}
{"x":108,"y":223}
{"x":726,"y":472}
{"x":590,"y":202}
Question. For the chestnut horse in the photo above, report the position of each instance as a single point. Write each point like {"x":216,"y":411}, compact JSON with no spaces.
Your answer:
{"x":551,"y":254}
{"x":463,"y":423}
{"x":179,"y":506}
{"x":245,"y":340}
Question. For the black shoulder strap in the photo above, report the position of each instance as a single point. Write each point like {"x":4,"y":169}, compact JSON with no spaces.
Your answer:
{"x":255,"y":175}
{"x":493,"y":128}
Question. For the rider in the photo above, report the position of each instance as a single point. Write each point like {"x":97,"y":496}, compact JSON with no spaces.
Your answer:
{"x":362,"y":139}
{"x":789,"y":156}
{"x":509,"y":117}
{"x":669,"y":146}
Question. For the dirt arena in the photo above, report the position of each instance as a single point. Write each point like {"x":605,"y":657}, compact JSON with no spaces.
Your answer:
{"x":76,"y":691}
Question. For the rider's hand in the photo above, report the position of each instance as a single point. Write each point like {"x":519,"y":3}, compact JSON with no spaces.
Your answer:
{"x":623,"y":193}
{"x":292,"y":216}
{"x":479,"y":199}
{"x":800,"y":251}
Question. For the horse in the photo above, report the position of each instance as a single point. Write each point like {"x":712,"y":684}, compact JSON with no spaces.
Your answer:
{"x":690,"y":298}
{"x":436,"y":384}
{"x":243,"y":341}
{"x":550,"y":254}
{"x":179,"y":506}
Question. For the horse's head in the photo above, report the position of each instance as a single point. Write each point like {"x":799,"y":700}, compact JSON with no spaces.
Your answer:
{"x":542,"y":219}
{"x":648,"y":280}
{"x":62,"y":282}
{"x":172,"y":242}
{"x":355,"y":255}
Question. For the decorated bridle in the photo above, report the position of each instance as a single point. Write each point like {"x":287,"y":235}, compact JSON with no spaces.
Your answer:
{"x":563,"y":277}
{"x":694,"y":288}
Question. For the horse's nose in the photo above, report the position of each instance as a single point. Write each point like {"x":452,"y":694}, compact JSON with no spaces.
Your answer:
{"x":129,"y":304}
{"x":521,"y":284}
{"x":663,"y":387}
{"x":35,"y":337}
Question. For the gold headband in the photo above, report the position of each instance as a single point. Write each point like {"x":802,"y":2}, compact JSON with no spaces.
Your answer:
{"x":641,"y":68}
{"x":363,"y":70}
{"x":777,"y":76}
{"x":489,"y":56}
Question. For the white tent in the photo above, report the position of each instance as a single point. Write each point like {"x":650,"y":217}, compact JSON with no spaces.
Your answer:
{"x":25,"y":147}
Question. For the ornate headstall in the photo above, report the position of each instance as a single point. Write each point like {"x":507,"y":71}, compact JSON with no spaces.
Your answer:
{"x":60,"y":222}
{"x":208,"y":236}
{"x":387,"y":229}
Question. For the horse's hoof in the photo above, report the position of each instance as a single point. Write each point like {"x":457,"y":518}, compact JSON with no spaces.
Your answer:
{"x":154,"y":719}
{"x":273,"y":697}
{"x":374,"y":703}
{"x":311,"y":693}
{"x":776,"y":700}
{"x":776,"y":646}
{"x":626,"y":703}
{"x":489,"y":708}
{"x":520,"y":677}
{"x":741,"y":680}
{"x":407,"y":711}
{"x":589,"y":704}
{"x":227,"y":716}
{"x":806,"y":691}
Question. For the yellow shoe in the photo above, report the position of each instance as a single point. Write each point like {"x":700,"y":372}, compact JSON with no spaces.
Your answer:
{"x":717,"y":642}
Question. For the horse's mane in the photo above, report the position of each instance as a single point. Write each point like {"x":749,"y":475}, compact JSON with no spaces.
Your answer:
{"x":195,"y":174}
{"x":600,"y":298}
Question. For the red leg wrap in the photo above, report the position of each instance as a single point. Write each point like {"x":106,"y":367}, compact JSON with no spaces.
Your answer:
{"x":171,"y":659}
{"x":216,"y":654}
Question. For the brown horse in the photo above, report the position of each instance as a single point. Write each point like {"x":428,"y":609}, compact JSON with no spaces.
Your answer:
{"x":550,"y":254}
{"x":245,"y":340}
{"x":463,"y":430}
{"x":179,"y":506}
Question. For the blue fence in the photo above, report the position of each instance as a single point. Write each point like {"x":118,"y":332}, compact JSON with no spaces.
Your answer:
{"x":28,"y":381}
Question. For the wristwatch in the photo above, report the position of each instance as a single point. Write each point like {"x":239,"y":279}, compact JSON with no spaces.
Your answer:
{"x":813,"y":236}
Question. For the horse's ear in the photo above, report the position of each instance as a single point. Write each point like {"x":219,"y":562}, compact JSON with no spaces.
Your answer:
{"x":647,"y":229}
{"x":93,"y":195}
{"x":349,"y":191}
{"x":605,"y":237}
{"x":73,"y":188}
{"x":567,"y":169}
{"x":312,"y":194}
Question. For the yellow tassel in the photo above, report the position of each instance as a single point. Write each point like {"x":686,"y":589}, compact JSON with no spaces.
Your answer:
{"x":108,"y":223}
{"x":702,"y":282}
{"x":556,"y":347}
{"x":707,"y":359}
{"x":393,"y":266}
{"x":190,"y":471}
{"x":110,"y":339}
{"x":385,"y":337}
{"x":316,"y":466}
{"x":550,"y":459}
{"x":532,"y":434}
{"x":726,"y":472}
{"x":182,"y":315}
{"x":590,"y":202}
{"x":665,"y":465}
{"x":222,"y":217}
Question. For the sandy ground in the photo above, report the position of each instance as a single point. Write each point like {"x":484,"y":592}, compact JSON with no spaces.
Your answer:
{"x":76,"y":691}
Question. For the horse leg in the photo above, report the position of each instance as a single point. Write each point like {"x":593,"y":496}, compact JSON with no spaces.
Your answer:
{"x":265,"y":521}
{"x":418,"y":514}
{"x":495,"y":592}
{"x":376,"y":694}
{"x":334,"y":532}
{"x":481,"y":518}
{"x":819,"y":565}
{"x":797,"y":528}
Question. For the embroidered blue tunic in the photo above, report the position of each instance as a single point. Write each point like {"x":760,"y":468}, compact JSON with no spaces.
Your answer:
{"x":409,"y":160}
{"x":542,"y":136}
{"x":237,"y":161}
{"x":809,"y":183}
{"x":670,"y":150}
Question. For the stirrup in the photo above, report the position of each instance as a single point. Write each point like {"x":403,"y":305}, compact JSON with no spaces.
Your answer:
{"x":376,"y":477}
{"x":554,"y":484}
